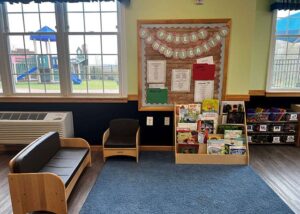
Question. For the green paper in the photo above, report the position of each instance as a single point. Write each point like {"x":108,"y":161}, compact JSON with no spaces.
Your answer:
{"x":157,"y":96}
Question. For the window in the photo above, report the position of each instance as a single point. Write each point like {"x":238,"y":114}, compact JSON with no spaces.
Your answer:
{"x":64,"y":48}
{"x":284,"y":66}
{"x":1,"y":90}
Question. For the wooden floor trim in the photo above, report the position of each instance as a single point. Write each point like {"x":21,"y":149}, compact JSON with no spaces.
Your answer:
{"x":95,"y":148}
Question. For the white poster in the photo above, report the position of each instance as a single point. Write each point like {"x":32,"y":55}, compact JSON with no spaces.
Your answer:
{"x":206,"y":60}
{"x":181,"y":80}
{"x":203,"y":90}
{"x":156,"y":71}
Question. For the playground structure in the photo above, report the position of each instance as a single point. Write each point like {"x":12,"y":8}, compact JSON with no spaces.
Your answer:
{"x":43,"y":68}
{"x":42,"y":71}
{"x":40,"y":68}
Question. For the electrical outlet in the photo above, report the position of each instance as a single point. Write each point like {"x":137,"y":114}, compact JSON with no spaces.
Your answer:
{"x":149,"y":121}
{"x":167,"y":121}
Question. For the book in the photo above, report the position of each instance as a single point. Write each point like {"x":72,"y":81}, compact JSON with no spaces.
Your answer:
{"x":215,"y":147}
{"x":235,"y":117}
{"x":235,"y":142}
{"x":232,"y":106}
{"x":237,"y":150}
{"x":188,"y":113}
{"x":210,"y":105}
{"x":221,"y":128}
{"x":191,"y":126}
{"x":183,"y":136}
{"x":210,"y":116}
{"x":232,"y":134}
{"x":207,"y":125}
{"x":188,"y":148}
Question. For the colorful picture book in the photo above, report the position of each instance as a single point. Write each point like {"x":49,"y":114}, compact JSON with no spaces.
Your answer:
{"x":188,"y":113}
{"x":221,"y":128}
{"x":188,"y":148}
{"x":215,"y":147}
{"x":232,"y":134}
{"x":210,"y":105}
{"x":232,"y":106}
{"x":235,"y":117}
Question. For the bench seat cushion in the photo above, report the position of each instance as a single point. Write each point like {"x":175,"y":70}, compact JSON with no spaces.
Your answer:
{"x":65,"y":163}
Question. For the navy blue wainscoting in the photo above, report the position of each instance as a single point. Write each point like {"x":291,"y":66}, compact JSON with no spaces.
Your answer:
{"x":92,"y":119}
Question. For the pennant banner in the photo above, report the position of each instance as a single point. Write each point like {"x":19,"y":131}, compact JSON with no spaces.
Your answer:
{"x":162,"y":40}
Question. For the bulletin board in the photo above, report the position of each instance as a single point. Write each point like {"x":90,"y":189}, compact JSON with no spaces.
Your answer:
{"x":177,"y":44}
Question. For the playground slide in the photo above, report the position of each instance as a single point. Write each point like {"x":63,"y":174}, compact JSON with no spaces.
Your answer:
{"x":22,"y":76}
{"x":75,"y":79}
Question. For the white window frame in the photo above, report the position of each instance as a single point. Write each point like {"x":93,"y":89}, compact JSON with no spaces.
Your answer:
{"x":271,"y":59}
{"x":62,"y":53}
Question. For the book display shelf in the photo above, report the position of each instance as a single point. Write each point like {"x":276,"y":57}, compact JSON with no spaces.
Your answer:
{"x":272,"y":126}
{"x":203,"y":136}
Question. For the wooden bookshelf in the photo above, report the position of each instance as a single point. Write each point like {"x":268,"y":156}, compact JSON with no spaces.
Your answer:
{"x":203,"y":158}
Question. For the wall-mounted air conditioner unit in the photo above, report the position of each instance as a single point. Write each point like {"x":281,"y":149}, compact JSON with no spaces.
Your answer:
{"x":25,"y":127}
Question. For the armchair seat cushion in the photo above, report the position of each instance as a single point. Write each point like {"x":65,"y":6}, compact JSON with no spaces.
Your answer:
{"x":121,"y":142}
{"x":65,"y":163}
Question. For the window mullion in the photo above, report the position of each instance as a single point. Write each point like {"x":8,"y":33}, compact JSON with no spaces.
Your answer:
{"x":122,"y":55}
{"x":6,"y":77}
{"x":63,"y":50}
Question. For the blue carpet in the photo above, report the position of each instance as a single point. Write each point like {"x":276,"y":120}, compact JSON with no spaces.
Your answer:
{"x":157,"y":185}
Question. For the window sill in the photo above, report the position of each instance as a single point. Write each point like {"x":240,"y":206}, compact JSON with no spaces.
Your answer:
{"x":282,"y":94}
{"x":60,"y":99}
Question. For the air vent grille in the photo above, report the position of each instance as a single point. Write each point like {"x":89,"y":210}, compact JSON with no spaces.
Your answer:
{"x":22,"y":116}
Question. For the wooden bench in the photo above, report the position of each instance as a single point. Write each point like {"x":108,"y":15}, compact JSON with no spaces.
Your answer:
{"x":44,"y":173}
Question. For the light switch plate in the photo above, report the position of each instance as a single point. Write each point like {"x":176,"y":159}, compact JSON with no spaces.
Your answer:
{"x":167,"y":121}
{"x":149,"y":121}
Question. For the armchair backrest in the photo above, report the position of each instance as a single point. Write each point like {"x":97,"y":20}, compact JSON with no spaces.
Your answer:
{"x":34,"y":156}
{"x":123,"y":128}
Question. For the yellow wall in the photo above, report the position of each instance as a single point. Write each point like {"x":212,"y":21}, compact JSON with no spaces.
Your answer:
{"x":242,"y":12}
{"x":261,"y":44}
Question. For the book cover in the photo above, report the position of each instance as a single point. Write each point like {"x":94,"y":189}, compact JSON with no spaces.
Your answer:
{"x":237,"y":150}
{"x":183,"y":137}
{"x":210,"y":116}
{"x":235,"y":117}
{"x":221,"y":128}
{"x":194,"y":109}
{"x":207,"y":125}
{"x":191,"y":126}
{"x":215,"y":147}
{"x":210,"y":105}
{"x":232,"y":134}
{"x":188,"y":148}
{"x":188,"y":113}
{"x":182,"y":111}
{"x":232,"y":106}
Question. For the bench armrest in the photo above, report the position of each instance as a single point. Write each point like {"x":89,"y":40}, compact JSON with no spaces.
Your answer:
{"x":37,"y":191}
{"x":74,"y":143}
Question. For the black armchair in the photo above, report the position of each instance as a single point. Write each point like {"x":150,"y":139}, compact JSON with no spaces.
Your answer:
{"x":121,"y":138}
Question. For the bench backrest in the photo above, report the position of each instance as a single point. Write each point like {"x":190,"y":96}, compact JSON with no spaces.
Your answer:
{"x":34,"y":156}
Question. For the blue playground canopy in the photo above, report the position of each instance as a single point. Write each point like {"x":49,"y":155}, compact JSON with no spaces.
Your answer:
{"x":289,"y":25}
{"x":44,"y":37}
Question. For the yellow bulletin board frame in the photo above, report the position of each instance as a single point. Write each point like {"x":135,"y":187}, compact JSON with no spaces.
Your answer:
{"x":182,"y":27}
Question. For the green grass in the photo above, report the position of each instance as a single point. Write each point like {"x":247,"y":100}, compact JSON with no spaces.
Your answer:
{"x":93,"y":84}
